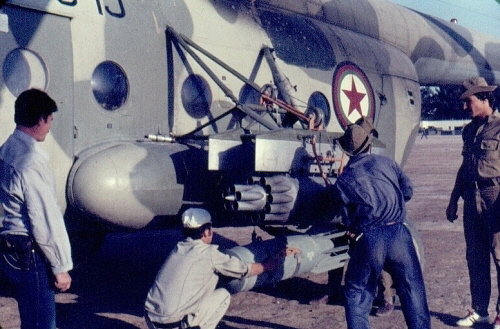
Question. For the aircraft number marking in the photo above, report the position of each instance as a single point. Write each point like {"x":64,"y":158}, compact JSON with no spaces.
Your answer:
{"x":118,"y":14}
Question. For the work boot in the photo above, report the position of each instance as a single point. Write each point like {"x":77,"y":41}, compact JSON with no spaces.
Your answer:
{"x":386,"y":309}
{"x":472,"y":318}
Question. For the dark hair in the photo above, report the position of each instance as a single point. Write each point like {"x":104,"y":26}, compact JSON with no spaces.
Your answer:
{"x":196,"y":233}
{"x":31,"y":106}
{"x":487,"y":95}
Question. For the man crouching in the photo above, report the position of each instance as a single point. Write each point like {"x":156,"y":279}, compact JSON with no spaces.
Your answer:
{"x":183,"y":294}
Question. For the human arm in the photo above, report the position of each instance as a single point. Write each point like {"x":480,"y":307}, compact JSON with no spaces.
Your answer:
{"x":405,"y":185}
{"x":338,"y":205}
{"x":259,"y":268}
{"x":456,"y":193}
{"x":256,"y":269}
{"x":272,"y":262}
{"x":45,"y":217}
{"x":232,"y":266}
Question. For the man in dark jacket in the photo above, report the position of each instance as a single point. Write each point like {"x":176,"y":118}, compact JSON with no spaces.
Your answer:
{"x":372,"y":191}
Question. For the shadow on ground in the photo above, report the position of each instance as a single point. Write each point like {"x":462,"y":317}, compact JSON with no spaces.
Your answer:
{"x":117,"y":278}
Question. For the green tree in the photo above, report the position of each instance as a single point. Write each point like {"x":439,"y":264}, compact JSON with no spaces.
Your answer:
{"x":442,"y":103}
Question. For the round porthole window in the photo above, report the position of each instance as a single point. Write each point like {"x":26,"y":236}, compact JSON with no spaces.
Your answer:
{"x":319,"y":103}
{"x":248,"y":96}
{"x":24,"y":69}
{"x":109,"y":85}
{"x":196,"y":96}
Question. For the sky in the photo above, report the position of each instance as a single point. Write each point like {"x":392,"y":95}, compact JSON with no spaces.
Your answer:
{"x":479,"y":15}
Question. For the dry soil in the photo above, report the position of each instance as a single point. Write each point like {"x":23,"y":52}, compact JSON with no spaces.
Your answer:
{"x":109,"y":291}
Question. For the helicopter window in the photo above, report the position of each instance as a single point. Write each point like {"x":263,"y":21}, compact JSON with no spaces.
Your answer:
{"x":319,"y":101}
{"x":24,"y":69}
{"x":298,"y":41}
{"x":249,"y":95}
{"x":110,"y":85}
{"x":196,"y":96}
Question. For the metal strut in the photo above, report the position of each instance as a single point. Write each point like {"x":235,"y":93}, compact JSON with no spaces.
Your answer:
{"x":316,"y":157}
{"x":282,"y":83}
{"x":182,"y":41}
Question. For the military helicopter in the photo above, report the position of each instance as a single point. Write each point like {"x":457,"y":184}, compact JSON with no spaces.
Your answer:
{"x":231,"y":105}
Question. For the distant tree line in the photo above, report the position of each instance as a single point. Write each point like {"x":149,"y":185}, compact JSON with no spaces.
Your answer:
{"x":443,"y":102}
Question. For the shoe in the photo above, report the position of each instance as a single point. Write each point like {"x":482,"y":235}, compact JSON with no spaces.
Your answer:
{"x":496,"y":324}
{"x":386,"y":309}
{"x":473,"y":318}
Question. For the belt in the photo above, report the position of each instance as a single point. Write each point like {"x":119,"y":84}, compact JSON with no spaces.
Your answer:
{"x":483,"y":183}
{"x":173,"y":325}
{"x":16,"y":242}
{"x":357,"y":236}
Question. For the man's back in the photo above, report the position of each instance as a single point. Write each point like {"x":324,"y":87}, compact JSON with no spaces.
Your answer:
{"x":21,"y":162}
{"x":36,"y":253}
{"x":374,"y":189}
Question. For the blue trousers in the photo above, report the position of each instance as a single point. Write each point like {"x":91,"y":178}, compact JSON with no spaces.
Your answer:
{"x":389,"y":247}
{"x":34,"y":293}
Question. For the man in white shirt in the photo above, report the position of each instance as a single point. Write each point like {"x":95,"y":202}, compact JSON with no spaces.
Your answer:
{"x":35,"y":253}
{"x":184,"y":293}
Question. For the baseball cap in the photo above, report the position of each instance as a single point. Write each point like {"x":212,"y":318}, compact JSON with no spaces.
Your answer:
{"x":195,"y":217}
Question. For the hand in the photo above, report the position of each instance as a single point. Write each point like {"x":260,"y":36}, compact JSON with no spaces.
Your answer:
{"x":62,"y":281}
{"x":352,"y":238}
{"x":291,"y":251}
{"x":274,"y":261}
{"x":451,"y":212}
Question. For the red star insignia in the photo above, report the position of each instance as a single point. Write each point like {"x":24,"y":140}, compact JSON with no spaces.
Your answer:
{"x":354,"y":98}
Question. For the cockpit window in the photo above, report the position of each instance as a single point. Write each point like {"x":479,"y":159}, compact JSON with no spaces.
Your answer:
{"x":110,"y":85}
{"x":24,"y":69}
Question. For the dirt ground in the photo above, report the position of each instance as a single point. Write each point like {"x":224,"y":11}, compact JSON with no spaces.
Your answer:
{"x":109,"y":291}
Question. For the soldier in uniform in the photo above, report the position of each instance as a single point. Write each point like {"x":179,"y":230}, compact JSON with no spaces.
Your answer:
{"x":478,"y":183}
